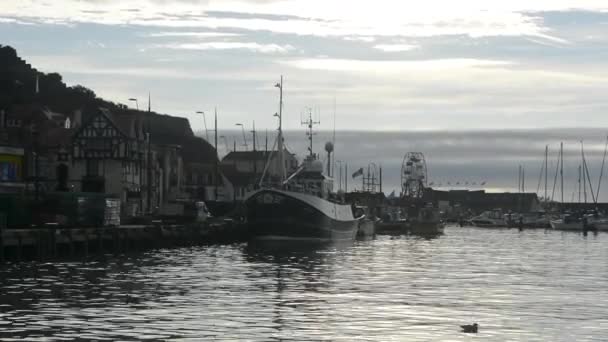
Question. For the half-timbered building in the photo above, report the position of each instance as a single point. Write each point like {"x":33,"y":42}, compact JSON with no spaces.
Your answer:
{"x":109,"y":155}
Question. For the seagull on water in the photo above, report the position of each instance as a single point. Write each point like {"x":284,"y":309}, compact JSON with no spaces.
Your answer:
{"x":470,"y":328}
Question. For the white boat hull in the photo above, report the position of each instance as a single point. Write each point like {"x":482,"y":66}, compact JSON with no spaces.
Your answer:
{"x":561,"y":225}
{"x":488,"y":223}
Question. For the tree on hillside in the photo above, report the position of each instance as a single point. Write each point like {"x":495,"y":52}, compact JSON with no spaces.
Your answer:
{"x":86,"y":92}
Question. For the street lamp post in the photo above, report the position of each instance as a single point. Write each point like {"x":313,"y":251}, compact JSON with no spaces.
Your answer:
{"x":136,"y":103}
{"x":244,"y":136}
{"x":205,"y":122}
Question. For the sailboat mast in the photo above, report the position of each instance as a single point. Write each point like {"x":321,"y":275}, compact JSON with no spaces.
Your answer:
{"x":599,"y":182}
{"x":519,"y":179}
{"x":583,"y":172}
{"x":345,"y":178}
{"x":546,"y":170}
{"x":579,"y":184}
{"x":561,"y":168}
{"x":588,"y":177}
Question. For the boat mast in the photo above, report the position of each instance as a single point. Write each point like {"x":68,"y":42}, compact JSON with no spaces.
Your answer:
{"x":561,"y":168}
{"x":579,"y":183}
{"x":546,"y":169}
{"x":333,"y":142}
{"x":588,"y":177}
{"x":583,"y":174}
{"x":280,"y":137}
{"x":309,"y":125}
{"x":599,"y":183}
{"x":519,"y":180}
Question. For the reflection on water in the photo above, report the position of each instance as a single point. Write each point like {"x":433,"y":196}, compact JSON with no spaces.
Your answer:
{"x":526,"y":286}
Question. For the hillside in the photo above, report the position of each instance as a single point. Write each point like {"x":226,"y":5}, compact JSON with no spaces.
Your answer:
{"x":18,"y":87}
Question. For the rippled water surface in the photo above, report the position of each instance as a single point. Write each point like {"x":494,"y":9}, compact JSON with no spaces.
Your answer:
{"x":528,"y":286}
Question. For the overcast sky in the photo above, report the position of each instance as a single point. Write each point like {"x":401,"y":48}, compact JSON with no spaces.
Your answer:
{"x":389,"y":65}
{"x":460,"y":159}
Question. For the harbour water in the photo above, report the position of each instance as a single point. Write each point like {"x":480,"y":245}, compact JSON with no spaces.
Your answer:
{"x":533,"y":285}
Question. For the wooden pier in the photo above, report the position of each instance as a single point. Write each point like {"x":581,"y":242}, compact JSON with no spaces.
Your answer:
{"x":50,"y":242}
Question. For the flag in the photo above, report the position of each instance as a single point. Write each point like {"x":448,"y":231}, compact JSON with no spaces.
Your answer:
{"x":358,"y":173}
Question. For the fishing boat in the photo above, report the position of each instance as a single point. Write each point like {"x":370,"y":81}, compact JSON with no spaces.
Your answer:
{"x":302,"y":206}
{"x":275,"y":214}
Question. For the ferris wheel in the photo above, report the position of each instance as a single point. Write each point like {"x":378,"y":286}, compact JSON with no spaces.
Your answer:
{"x":413,"y":175}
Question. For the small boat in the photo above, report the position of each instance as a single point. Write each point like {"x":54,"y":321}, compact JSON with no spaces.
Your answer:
{"x":601,"y":224}
{"x":536,"y":219}
{"x":428,"y":222}
{"x":489,"y":219}
{"x":392,"y":222}
{"x":568,"y":222}
{"x":367,"y":222}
